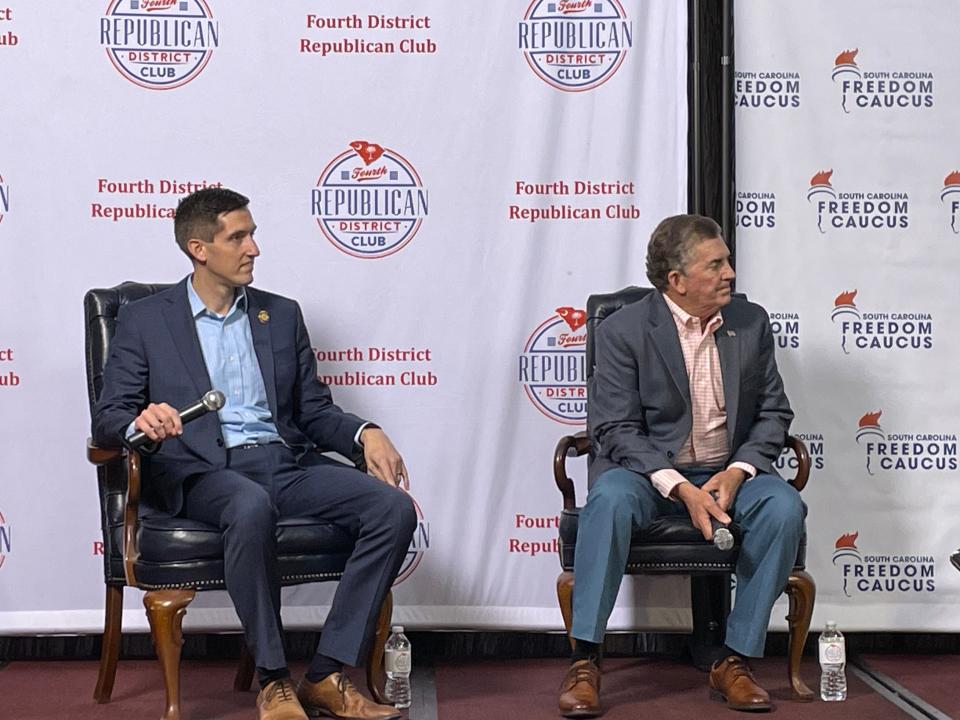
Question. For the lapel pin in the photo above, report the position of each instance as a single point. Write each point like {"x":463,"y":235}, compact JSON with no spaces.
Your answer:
{"x":731,"y":333}
{"x":263,"y":316}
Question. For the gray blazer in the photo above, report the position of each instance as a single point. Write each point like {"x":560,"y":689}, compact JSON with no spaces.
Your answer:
{"x":638,"y":410}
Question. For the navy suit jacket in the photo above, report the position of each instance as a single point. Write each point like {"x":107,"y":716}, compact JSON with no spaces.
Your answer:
{"x":639,"y":412}
{"x":155,"y":356}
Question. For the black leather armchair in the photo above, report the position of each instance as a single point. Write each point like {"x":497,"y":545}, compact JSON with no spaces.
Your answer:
{"x":672,"y":545}
{"x":172,"y":558}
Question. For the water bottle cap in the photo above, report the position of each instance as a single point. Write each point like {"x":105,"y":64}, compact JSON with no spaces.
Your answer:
{"x":397,"y":629}
{"x":831,"y":625}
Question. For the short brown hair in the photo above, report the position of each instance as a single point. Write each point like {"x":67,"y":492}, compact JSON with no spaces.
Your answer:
{"x":198,"y":214}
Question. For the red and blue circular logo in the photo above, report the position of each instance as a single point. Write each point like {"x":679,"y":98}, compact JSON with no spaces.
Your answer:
{"x":159,"y":44}
{"x":575,"y":45}
{"x":552,"y":367}
{"x":369,"y":201}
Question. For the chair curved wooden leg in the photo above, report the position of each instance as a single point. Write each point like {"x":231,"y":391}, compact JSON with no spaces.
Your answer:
{"x":244,"y":677}
{"x":110,"y":645}
{"x":376,"y":674}
{"x":802,"y":592}
{"x":165,"y":611}
{"x":565,"y":598}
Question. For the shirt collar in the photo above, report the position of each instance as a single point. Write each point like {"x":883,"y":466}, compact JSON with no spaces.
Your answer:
{"x":198,"y":308}
{"x":686,"y":320}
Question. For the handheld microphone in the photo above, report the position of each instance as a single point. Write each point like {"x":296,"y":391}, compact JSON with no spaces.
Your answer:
{"x":722,"y":537}
{"x":211,"y":401}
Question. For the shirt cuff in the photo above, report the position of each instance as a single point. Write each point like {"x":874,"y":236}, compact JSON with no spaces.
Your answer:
{"x":749,"y":469}
{"x":666,"y":480}
{"x":131,"y":429}
{"x":356,"y":438}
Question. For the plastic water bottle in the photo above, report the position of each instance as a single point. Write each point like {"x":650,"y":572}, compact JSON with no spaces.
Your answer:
{"x":833,"y":659}
{"x":398,"y":662}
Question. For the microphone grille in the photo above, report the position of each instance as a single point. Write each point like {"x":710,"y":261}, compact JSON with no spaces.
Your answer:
{"x":214,"y":400}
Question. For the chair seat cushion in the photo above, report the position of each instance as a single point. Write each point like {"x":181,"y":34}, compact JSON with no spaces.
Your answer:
{"x":175,"y":552}
{"x":669,"y":545}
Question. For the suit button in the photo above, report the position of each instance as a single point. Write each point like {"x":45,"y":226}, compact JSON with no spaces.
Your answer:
{"x":670,"y":455}
{"x":219,"y":442}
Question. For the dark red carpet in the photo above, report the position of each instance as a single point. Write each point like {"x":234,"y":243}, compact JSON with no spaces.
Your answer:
{"x":632,"y":688}
{"x":931,"y":677}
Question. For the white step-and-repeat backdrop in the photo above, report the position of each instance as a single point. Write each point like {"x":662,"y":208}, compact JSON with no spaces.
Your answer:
{"x":440,"y":184}
{"x":848,"y":195}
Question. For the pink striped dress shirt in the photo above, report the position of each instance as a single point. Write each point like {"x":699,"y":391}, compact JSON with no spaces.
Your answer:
{"x":707,"y":444}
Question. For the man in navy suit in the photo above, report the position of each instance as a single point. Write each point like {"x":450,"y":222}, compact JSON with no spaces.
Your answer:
{"x":686,"y":414}
{"x":245,"y":467}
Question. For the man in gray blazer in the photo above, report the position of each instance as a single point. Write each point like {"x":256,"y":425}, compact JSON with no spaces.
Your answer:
{"x":686,"y":413}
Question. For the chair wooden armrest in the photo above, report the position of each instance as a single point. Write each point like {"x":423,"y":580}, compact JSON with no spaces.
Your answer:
{"x":577,"y":445}
{"x":803,"y":462}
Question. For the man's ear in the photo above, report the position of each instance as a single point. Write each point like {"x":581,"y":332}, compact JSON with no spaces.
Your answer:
{"x":197,"y":249}
{"x":677,"y":282}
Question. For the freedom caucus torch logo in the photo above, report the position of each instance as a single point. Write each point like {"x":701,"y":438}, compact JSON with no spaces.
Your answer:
{"x":159,"y":44}
{"x":950,"y":196}
{"x":369,"y":201}
{"x":899,"y":452}
{"x":880,"y":330}
{"x":575,"y":45}
{"x":898,"y":572}
{"x":873,"y":210}
{"x":871,"y":90}
{"x":418,"y":545}
{"x":552,"y":368}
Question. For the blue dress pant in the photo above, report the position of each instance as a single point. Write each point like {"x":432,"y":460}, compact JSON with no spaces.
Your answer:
{"x":769,"y":512}
{"x":264,"y":483}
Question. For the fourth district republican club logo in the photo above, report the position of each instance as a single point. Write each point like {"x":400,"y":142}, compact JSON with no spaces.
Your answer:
{"x":575,"y":45}
{"x":880,"y":330}
{"x":552,"y":368}
{"x":872,"y":90}
{"x":873,"y":210}
{"x":895,"y":573}
{"x":159,"y":44}
{"x":369,"y":201}
{"x":918,"y":452}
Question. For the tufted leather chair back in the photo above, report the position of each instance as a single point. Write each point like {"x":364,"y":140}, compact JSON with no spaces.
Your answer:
{"x":100,"y":307}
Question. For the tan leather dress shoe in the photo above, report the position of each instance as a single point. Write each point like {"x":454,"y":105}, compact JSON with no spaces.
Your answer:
{"x":580,"y":691}
{"x":732,"y":680}
{"x":335,"y":696}
{"x":278,"y":701}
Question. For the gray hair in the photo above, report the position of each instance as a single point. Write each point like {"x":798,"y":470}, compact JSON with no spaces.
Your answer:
{"x":672,"y":243}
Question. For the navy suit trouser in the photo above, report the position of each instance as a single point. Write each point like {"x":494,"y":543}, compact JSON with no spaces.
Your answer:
{"x":769,"y":512}
{"x":264,"y":483}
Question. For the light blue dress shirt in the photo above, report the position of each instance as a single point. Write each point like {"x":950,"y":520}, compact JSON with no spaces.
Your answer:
{"x":227,"y":345}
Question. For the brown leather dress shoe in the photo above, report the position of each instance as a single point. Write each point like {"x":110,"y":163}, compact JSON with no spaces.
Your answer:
{"x":580,"y":691}
{"x":335,"y":696}
{"x":278,"y":701}
{"x":732,"y":680}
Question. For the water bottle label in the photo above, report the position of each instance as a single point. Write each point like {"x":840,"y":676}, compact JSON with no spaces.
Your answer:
{"x":832,"y":653}
{"x":397,"y":661}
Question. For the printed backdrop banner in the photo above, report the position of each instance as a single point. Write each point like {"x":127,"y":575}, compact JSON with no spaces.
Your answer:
{"x":848,"y":194}
{"x":441,"y":185}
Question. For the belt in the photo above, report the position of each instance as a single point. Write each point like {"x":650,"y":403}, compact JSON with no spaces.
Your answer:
{"x":254,"y":445}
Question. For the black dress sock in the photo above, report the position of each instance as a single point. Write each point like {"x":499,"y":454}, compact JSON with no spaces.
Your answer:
{"x":321,"y":666}
{"x":265,"y":677}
